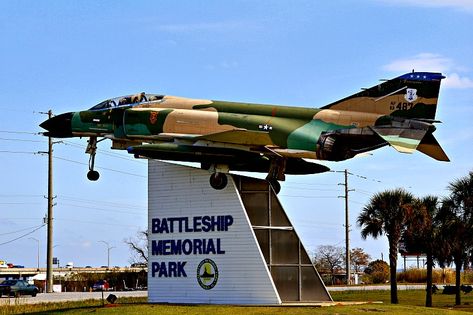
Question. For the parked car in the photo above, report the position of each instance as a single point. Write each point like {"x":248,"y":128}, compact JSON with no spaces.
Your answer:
{"x":17,"y":288}
{"x":101,"y":285}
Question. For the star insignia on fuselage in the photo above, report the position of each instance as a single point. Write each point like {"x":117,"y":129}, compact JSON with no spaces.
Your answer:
{"x":265,"y":127}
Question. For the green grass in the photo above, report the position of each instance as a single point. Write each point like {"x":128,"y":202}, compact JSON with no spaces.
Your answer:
{"x":411,"y":302}
{"x":407,"y":297}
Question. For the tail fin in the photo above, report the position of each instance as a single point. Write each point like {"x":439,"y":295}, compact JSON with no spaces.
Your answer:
{"x":412,"y":95}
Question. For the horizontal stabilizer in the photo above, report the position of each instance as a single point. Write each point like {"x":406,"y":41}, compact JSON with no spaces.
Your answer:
{"x":402,"y":139}
{"x":430,"y":146}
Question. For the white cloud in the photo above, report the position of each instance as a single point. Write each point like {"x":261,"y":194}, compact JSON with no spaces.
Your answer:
{"x":430,"y":62}
{"x":86,"y":244}
{"x":453,"y":80}
{"x":421,"y":62}
{"x":461,"y":5}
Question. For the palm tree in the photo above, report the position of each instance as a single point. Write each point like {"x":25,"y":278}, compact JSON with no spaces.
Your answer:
{"x":455,"y":237}
{"x":461,"y":192}
{"x":457,"y":226}
{"x":421,"y":236}
{"x":386,"y":213}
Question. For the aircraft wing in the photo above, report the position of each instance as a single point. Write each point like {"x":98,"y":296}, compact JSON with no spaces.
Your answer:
{"x":234,"y":136}
{"x":238,"y":160}
{"x":240,"y":137}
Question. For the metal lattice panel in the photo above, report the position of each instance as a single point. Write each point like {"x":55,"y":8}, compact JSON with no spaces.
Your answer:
{"x":294,"y":275}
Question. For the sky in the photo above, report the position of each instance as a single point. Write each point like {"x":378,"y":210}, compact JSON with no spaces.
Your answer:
{"x":70,"y":55}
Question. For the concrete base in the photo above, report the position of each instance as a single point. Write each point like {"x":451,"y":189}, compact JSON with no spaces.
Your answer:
{"x":229,"y":246}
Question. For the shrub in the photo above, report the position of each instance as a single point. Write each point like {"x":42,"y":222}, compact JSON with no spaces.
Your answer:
{"x":413,"y":275}
{"x":376,"y":272}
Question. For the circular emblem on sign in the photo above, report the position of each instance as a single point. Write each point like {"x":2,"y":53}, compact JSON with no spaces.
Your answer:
{"x":207,"y":274}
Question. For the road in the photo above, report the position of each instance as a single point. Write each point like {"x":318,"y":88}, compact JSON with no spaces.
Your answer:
{"x":68,"y":296}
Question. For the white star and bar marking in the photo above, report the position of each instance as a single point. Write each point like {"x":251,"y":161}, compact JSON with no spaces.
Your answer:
{"x":265,"y":127}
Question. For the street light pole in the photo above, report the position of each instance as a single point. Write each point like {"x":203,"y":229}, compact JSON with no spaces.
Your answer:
{"x":37,"y":240}
{"x":108,"y":252}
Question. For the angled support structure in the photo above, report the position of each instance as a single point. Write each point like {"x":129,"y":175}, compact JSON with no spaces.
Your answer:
{"x":230,"y":246}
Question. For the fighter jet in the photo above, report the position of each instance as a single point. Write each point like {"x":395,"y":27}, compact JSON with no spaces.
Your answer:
{"x":224,"y":136}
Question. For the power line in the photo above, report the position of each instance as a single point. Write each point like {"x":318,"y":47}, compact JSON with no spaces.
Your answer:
{"x":102,"y":168}
{"x":113,"y":205}
{"x":310,"y":197}
{"x":105,"y":203}
{"x":102,"y":209}
{"x":365,"y":191}
{"x":360,"y":176}
{"x":19,"y":132}
{"x":313,"y":189}
{"x":116,"y":155}
{"x":19,"y":195}
{"x":17,"y":152}
{"x":28,"y":218}
{"x":362,"y":192}
{"x":19,"y":203}
{"x":315,"y":184}
{"x":18,"y":231}
{"x":95,"y":222}
{"x":24,"y":235}
{"x":22,"y":140}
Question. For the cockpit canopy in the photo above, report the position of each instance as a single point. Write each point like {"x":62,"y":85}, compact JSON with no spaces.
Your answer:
{"x":127,"y":100}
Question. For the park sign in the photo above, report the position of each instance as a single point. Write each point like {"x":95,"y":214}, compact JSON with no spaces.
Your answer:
{"x":202,"y":248}
{"x":187,"y":246}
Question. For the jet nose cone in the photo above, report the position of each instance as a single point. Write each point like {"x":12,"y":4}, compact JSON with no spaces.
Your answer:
{"x":58,"y":126}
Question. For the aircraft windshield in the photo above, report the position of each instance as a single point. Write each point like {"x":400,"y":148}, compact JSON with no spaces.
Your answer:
{"x":127,"y":100}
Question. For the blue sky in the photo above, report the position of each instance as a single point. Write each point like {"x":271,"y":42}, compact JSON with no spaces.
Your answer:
{"x":70,"y":55}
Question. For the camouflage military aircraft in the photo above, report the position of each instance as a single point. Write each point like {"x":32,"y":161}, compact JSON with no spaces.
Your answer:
{"x":225,"y":136}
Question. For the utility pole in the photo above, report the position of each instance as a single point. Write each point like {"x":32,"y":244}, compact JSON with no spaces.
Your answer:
{"x":347,"y":228}
{"x":49,"y":217}
{"x":49,"y":259}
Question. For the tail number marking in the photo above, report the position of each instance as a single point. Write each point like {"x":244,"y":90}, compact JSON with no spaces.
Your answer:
{"x":401,"y":106}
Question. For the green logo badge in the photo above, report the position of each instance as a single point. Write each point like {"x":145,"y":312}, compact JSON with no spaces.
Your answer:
{"x":207,"y":274}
